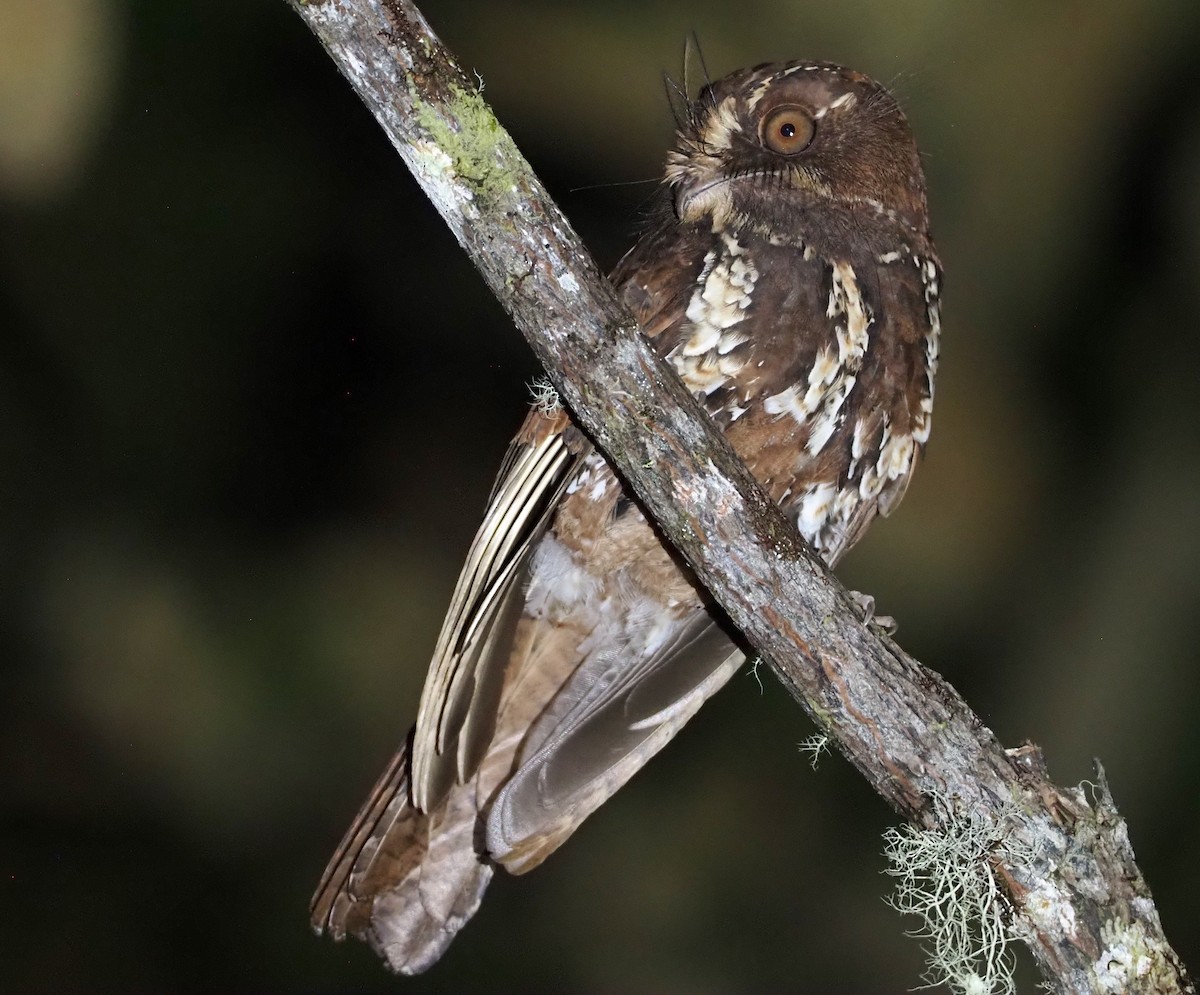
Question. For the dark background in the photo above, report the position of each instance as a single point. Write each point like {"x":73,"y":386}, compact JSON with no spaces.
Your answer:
{"x":252,"y":398}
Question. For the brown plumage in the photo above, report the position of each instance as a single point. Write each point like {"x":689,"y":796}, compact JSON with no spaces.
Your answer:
{"x":789,"y":276}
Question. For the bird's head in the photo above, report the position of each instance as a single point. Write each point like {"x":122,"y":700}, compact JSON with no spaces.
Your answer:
{"x":772,"y":147}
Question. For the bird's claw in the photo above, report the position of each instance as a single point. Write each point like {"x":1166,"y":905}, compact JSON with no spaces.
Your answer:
{"x":866,"y":605}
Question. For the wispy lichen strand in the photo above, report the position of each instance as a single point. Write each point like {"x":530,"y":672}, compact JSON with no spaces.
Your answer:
{"x":946,"y":879}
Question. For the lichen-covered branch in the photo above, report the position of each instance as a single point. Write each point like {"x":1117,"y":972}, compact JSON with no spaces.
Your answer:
{"x":1067,"y":883}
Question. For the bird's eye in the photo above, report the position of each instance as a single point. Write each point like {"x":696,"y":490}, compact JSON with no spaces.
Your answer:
{"x":787,"y":130}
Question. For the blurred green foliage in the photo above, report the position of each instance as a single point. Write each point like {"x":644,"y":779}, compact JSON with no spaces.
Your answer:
{"x":252,"y":396}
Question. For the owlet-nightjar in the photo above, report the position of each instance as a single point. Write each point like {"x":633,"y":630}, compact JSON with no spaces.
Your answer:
{"x":788,"y":274}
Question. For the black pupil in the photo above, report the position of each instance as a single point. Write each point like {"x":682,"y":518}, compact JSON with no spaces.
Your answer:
{"x":788,"y":130}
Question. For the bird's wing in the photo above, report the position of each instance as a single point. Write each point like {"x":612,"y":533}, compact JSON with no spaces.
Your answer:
{"x":429,"y":793}
{"x":458,"y":704}
{"x":458,"y":708}
{"x":406,"y":875}
{"x":610,"y":717}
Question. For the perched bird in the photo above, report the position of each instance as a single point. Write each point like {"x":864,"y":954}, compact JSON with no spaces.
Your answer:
{"x":788,"y":274}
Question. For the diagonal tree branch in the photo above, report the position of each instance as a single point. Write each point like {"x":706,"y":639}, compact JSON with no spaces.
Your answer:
{"x":1061,"y":856}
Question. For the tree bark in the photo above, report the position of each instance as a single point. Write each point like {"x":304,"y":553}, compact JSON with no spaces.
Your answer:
{"x":1071,"y":888}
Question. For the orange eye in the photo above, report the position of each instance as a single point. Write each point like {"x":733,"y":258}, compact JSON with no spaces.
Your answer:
{"x":787,"y":130}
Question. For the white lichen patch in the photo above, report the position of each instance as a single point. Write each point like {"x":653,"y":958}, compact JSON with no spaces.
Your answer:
{"x":438,"y":177}
{"x":1050,"y":909}
{"x":1129,"y":954}
{"x":717,"y":494}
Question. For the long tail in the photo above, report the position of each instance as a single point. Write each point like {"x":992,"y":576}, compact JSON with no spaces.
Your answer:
{"x":403,"y":880}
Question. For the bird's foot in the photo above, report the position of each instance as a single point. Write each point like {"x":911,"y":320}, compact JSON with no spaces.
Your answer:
{"x":866,"y":604}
